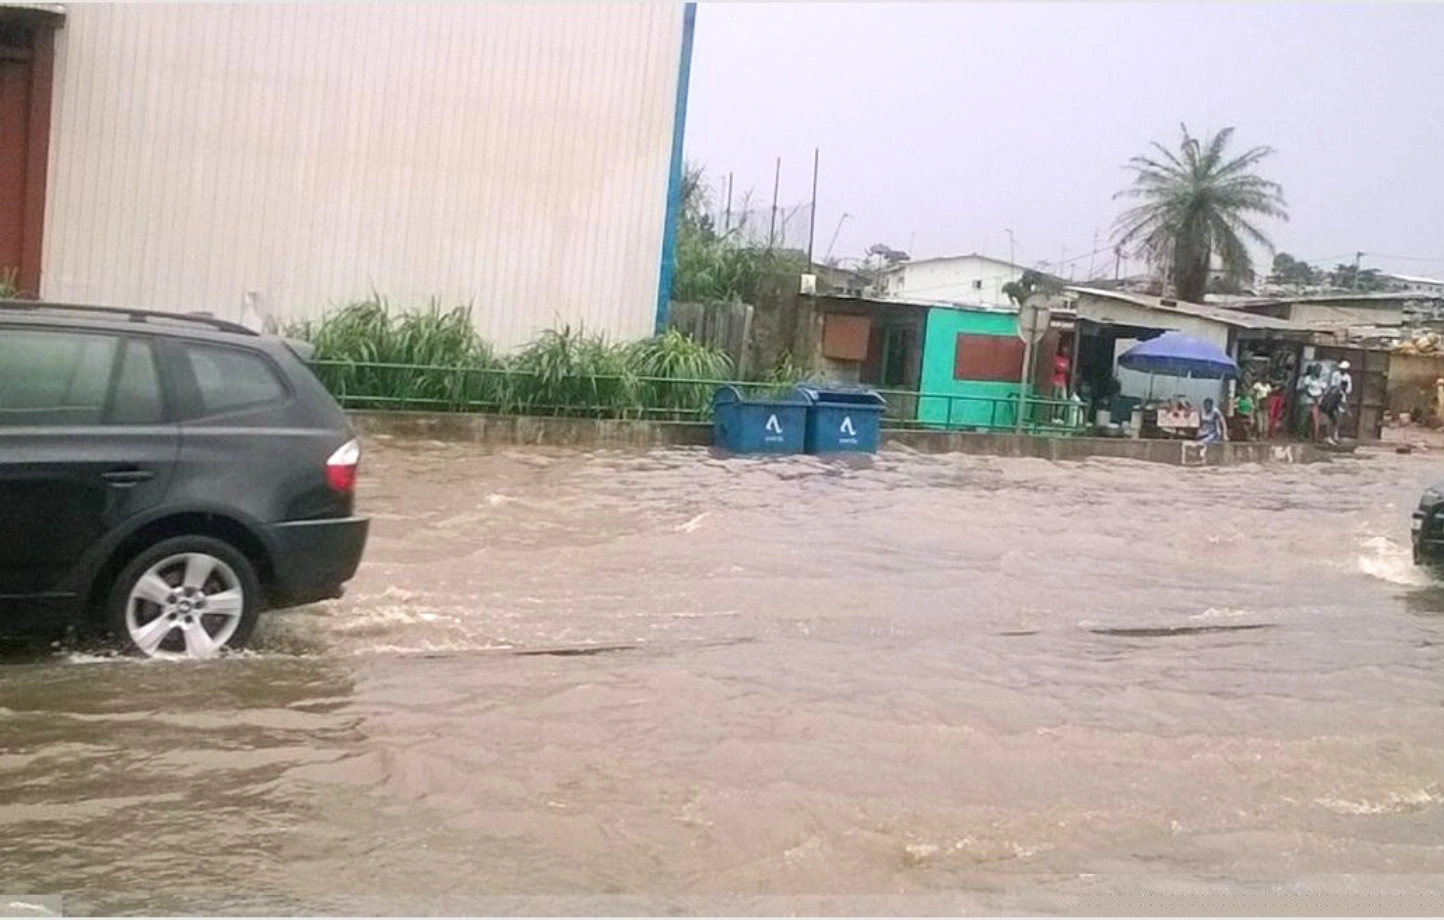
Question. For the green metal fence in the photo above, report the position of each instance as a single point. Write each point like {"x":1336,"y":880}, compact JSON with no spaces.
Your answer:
{"x":433,"y":388}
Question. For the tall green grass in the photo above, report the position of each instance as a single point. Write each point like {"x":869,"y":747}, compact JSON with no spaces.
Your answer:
{"x":371,"y":356}
{"x":441,"y":349}
{"x":672,"y":368}
{"x":568,"y":371}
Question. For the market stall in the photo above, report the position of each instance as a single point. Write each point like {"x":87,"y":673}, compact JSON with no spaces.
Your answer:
{"x":1175,"y":356}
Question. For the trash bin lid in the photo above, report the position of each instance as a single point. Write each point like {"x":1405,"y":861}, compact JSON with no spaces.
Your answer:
{"x":824,"y":395}
{"x":728,"y":395}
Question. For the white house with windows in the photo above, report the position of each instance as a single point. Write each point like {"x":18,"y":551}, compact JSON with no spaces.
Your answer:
{"x":973,"y":279}
{"x":1414,"y":284}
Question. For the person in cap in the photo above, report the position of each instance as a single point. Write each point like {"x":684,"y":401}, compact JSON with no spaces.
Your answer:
{"x":1335,"y":400}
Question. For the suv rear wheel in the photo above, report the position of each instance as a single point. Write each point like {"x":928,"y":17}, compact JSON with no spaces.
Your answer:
{"x":185,"y":597}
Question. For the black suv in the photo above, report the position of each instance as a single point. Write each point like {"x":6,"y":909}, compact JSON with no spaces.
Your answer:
{"x":1427,"y":530}
{"x":168,"y":476}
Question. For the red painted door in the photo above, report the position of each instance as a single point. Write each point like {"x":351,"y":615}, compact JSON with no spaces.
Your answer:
{"x":15,"y":86}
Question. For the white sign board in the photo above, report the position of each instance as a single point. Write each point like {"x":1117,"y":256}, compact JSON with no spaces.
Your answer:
{"x":1033,"y":322}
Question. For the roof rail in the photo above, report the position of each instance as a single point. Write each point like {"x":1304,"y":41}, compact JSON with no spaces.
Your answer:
{"x":127,"y":314}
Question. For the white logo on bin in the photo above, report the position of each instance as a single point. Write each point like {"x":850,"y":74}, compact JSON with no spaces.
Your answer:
{"x":847,"y":429}
{"x":774,"y":426}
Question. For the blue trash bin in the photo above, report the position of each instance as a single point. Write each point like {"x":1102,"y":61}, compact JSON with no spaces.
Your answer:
{"x":841,"y":419}
{"x":775,"y":425}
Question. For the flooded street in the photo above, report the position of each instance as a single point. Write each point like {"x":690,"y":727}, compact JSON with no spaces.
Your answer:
{"x":668,"y":682}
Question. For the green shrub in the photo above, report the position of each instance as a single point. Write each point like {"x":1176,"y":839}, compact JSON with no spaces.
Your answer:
{"x":448,"y":360}
{"x":672,"y":367}
{"x":569,"y":372}
{"x":371,"y":357}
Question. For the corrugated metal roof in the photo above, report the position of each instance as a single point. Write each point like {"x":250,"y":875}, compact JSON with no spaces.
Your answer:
{"x":1412,"y":279}
{"x":1381,"y":298}
{"x":936,"y":304}
{"x":1234,"y":318}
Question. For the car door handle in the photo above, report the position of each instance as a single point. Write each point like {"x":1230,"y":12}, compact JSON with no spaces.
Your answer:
{"x":127,"y":477}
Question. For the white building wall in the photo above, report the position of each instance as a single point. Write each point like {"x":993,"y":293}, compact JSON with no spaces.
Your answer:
{"x":1416,"y":285}
{"x":275,"y":160}
{"x":964,"y":279}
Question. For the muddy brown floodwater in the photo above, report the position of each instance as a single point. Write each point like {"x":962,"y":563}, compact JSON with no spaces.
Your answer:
{"x":669,"y":682}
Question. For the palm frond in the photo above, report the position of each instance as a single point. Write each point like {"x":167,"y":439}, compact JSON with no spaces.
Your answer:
{"x":1194,"y":202}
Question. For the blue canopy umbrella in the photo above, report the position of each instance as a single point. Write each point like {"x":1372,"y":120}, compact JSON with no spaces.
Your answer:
{"x":1174,"y":354}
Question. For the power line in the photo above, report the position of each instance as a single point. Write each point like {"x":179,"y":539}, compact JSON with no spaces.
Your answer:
{"x":1376,"y":255}
{"x":1342,"y":255}
{"x":1372,"y":255}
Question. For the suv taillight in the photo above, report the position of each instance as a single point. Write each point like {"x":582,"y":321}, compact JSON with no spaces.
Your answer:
{"x":341,"y":467}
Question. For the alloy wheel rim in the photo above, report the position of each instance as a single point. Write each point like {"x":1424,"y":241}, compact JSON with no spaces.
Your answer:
{"x":185,"y":606}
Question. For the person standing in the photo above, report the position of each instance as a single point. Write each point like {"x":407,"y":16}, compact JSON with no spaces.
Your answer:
{"x":1311,"y":389}
{"x":1212,"y":427}
{"x":1062,"y":370}
{"x":1342,"y":380}
{"x":1246,"y":410}
{"x":1276,"y":406}
{"x":1334,"y":402}
{"x":1261,"y":393}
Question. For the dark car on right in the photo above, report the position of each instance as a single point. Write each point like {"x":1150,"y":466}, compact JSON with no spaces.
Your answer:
{"x":1427,"y":527}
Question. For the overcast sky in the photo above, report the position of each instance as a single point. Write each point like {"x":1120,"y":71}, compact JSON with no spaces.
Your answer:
{"x":943,"y":125}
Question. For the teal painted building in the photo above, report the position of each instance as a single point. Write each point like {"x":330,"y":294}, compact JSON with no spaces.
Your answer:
{"x":970,"y":367}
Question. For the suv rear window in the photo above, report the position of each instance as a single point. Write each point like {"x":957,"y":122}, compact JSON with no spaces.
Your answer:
{"x":137,"y":399}
{"x":229,"y":378}
{"x":52,"y":377}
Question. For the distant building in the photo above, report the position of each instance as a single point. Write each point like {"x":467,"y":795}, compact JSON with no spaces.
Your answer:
{"x":972,"y":280}
{"x":1413,"y":283}
{"x":1329,"y":312}
{"x":834,"y":279}
{"x":264,"y":162}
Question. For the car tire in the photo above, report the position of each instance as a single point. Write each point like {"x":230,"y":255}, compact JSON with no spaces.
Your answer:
{"x":185,"y":597}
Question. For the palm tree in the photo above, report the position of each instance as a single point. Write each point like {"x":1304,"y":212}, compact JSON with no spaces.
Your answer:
{"x":1197,"y":204}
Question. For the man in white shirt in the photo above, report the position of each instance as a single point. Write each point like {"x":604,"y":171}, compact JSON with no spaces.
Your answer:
{"x":1312,"y":387}
{"x":1336,"y":398}
{"x":1260,"y":392}
{"x":1341,"y":380}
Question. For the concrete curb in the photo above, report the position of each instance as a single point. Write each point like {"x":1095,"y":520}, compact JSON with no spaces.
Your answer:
{"x":537,"y":431}
{"x":1176,"y":453}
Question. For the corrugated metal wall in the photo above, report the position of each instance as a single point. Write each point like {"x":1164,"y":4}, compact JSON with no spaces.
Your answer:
{"x":279,"y":159}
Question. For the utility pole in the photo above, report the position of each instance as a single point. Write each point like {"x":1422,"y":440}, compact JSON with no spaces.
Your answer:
{"x":1358,"y":258}
{"x":1012,"y":259}
{"x":772,"y":228}
{"x":1117,"y":263}
{"x":812,"y":215}
{"x":727,"y":220}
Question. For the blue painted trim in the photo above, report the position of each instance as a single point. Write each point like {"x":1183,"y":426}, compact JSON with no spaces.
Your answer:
{"x":674,"y":182}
